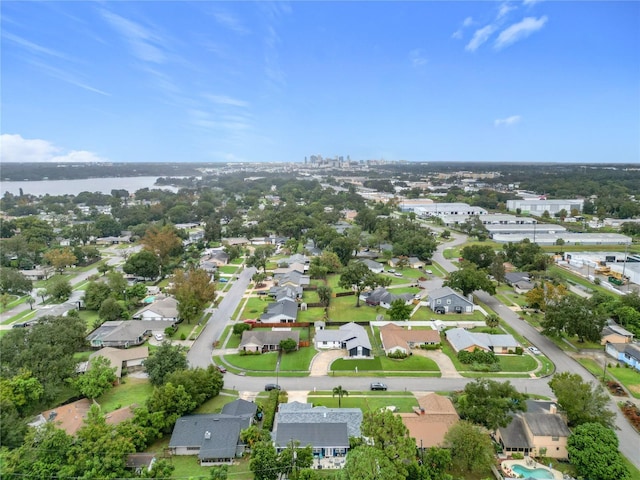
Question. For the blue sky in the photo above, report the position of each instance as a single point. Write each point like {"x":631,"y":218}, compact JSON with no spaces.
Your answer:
{"x":532,"y":81}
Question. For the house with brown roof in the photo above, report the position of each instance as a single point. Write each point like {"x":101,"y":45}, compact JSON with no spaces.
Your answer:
{"x":69,"y":417}
{"x":397,"y":339}
{"x":431,"y":420}
{"x":615,"y":334}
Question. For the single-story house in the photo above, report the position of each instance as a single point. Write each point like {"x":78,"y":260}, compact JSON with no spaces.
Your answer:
{"x":139,"y":462}
{"x":415,"y":262}
{"x":126,"y":333}
{"x":461,"y":339}
{"x":349,"y":336}
{"x":284,"y":310}
{"x":447,"y":300}
{"x":235,"y":241}
{"x":286,"y":291}
{"x":327,"y":430}
{"x":397,"y":339}
{"x":615,"y":334}
{"x":69,"y":417}
{"x":431,"y":420}
{"x":214,"y":438}
{"x":627,"y":353}
{"x":295,"y":258}
{"x":161,"y":309}
{"x":113,"y":240}
{"x":540,"y":431}
{"x":240,"y":408}
{"x":511,"y":278}
{"x":522,"y":286}
{"x":293,"y":278}
{"x":263,"y":340}
{"x":375,"y":267}
{"x":38,"y":273}
{"x":294,"y":267}
{"x":129,"y":358}
{"x":383,"y":298}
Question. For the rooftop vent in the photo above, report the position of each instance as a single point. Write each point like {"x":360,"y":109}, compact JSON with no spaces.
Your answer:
{"x":207,"y":435}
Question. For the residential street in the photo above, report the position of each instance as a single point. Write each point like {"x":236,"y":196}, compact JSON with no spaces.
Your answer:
{"x":200,"y":353}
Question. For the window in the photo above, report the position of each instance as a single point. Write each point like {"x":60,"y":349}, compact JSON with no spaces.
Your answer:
{"x":555,"y":439}
{"x":448,"y":301}
{"x":438,"y":302}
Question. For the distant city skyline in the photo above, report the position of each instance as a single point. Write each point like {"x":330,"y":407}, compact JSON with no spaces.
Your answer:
{"x":165,"y":81}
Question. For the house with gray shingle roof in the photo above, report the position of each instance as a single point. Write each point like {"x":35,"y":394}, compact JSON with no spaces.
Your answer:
{"x":214,"y":438}
{"x":161,"y":309}
{"x":375,"y":267}
{"x":284,"y":310}
{"x":461,"y":339}
{"x":349,"y":336}
{"x":383,"y":297}
{"x":540,"y":431}
{"x":327,"y":430}
{"x":126,"y":333}
{"x":263,"y":340}
{"x":447,"y":300}
{"x":292,"y":278}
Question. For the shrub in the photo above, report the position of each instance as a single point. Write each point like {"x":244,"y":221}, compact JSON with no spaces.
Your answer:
{"x":434,"y":346}
{"x":477,"y":356}
{"x":397,"y":355}
{"x":519,"y":350}
{"x":269,"y":408}
{"x":183,"y":336}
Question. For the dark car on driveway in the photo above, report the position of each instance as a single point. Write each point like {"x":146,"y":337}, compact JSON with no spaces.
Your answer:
{"x":271,"y":386}
{"x":378,"y":386}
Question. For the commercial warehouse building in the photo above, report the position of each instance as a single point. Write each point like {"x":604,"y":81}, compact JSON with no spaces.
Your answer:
{"x":539,"y":206}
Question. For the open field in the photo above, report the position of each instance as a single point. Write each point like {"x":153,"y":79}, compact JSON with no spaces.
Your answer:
{"x":132,"y":391}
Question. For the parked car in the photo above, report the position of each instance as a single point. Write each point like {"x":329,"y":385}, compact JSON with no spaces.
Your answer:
{"x":271,"y":386}
{"x":392,"y":270}
{"x":378,"y":386}
{"x":398,"y":274}
{"x":159,"y":337}
{"x":221,"y":369}
{"x":534,"y":350}
{"x":429,"y":272}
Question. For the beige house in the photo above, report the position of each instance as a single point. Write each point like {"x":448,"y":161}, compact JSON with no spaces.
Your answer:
{"x":431,"y":420}
{"x":539,"y":432}
{"x":397,"y":339}
{"x":615,"y":334}
{"x":129,"y":358}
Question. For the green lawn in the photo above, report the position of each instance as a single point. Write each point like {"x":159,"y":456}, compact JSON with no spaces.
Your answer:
{"x":401,"y":290}
{"x":215,"y":404}
{"x":45,"y":283}
{"x":368,"y":403}
{"x":343,"y":309}
{"x":414,"y":363}
{"x":628,"y":377}
{"x":254,"y":307}
{"x":132,"y":391}
{"x":311,"y":314}
{"x":265,"y":362}
{"x":22,"y":316}
{"x":14,"y":301}
{"x":517,"y":363}
{"x":310,"y":296}
{"x":89,"y":317}
{"x":233,"y":340}
{"x":297,"y":361}
{"x":228,"y":269}
{"x":332,"y":281}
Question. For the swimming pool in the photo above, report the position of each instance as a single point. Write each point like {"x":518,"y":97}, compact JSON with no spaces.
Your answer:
{"x":532,"y":473}
{"x":149,"y":299}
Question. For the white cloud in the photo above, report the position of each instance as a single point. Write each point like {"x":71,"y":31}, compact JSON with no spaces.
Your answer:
{"x":519,"y":31}
{"x":530,"y":2}
{"x":34,"y":47}
{"x":467,"y":22}
{"x":504,"y":9}
{"x":457,"y":34}
{"x":226,"y":100}
{"x":144,"y":43}
{"x":14,"y":148}
{"x":417,"y":57}
{"x":229,"y":21}
{"x":507,"y":122}
{"x":479,"y":37}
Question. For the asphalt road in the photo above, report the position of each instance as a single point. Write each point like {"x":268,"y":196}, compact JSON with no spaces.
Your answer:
{"x":200,"y":352}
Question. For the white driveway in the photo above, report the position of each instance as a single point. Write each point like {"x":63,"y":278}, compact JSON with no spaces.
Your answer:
{"x":322,"y":361}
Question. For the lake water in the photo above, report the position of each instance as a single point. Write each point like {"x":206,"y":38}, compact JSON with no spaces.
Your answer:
{"x":74,"y":187}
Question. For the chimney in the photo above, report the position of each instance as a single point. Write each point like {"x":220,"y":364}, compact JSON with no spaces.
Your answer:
{"x":553,"y":408}
{"x":422,"y":412}
{"x":207,"y":435}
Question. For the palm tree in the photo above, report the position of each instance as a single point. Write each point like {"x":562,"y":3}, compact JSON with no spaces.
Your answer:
{"x":492,"y":321}
{"x":340,"y":392}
